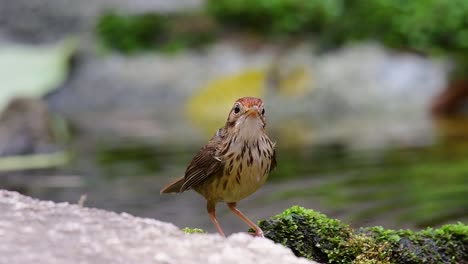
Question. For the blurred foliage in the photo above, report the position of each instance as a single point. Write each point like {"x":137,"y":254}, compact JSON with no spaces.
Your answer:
{"x":276,"y":16}
{"x":152,"y":31}
{"x":130,"y":33}
{"x":18,"y":61}
{"x":428,"y":26}
{"x":34,"y":161}
{"x":421,"y":25}
{"x":314,"y":236}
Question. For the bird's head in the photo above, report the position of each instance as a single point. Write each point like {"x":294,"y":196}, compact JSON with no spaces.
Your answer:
{"x":247,"y":117}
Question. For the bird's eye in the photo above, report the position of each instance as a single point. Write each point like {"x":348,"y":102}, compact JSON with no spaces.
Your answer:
{"x":236,"y":109}
{"x":263,"y":111}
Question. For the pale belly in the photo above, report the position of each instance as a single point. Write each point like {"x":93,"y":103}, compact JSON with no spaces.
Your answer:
{"x":241,"y":187}
{"x":239,"y":180}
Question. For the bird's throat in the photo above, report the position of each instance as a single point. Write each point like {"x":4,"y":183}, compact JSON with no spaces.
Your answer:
{"x":249,"y":129}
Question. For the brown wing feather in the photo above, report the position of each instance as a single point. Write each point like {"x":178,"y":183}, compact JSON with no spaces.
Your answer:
{"x":204,"y":164}
{"x":174,"y":186}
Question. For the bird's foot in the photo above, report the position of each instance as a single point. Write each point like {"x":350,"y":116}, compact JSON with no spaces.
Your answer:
{"x":259,"y":234}
{"x":256,"y":234}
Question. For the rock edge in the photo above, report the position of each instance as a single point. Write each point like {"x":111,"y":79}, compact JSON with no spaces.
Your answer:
{"x":35,"y":231}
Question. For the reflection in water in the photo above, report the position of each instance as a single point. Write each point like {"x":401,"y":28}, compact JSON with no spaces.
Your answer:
{"x":394,"y":187}
{"x":400,"y":187}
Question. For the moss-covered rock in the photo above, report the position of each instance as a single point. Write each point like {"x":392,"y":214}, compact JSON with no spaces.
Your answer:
{"x":315,"y":236}
{"x":447,"y":244}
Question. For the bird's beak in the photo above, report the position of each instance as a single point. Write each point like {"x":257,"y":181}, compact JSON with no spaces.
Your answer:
{"x":253,"y":112}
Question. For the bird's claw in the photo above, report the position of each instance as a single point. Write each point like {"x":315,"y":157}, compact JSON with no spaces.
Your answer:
{"x":256,"y":234}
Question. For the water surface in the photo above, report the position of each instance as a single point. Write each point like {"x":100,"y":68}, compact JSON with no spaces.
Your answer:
{"x":397,"y":186}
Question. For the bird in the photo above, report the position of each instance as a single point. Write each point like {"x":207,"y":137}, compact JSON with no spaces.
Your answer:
{"x":234,"y":163}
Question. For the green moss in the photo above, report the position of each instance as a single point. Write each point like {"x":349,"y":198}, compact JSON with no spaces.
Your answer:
{"x":430,"y":26}
{"x":433,"y":26}
{"x":128,"y":33}
{"x":152,"y":31}
{"x":447,"y":244}
{"x":423,"y":25}
{"x":308,"y":233}
{"x":276,"y":17}
{"x":189,"y":230}
{"x":314,"y":236}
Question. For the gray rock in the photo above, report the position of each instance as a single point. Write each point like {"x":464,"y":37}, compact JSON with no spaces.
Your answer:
{"x":363,"y":95}
{"x":366,"y":96}
{"x":34,"y":231}
{"x":25,"y":128}
{"x":140,"y":96}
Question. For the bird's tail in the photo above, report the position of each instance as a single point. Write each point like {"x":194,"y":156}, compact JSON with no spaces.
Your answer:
{"x":174,"y":186}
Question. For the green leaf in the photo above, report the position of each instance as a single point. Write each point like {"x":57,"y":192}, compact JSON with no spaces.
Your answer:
{"x":33,"y":71}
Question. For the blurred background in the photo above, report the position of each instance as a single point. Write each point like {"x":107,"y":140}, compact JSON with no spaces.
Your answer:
{"x":367,"y":101}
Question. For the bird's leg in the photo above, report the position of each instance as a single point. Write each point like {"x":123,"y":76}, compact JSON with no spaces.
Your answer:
{"x":258,"y":231}
{"x":211,"y":211}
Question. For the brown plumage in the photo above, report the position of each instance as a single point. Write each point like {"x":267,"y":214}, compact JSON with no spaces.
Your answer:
{"x":235,"y":162}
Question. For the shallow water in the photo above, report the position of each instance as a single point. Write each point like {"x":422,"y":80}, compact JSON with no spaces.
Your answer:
{"x":397,"y":186}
